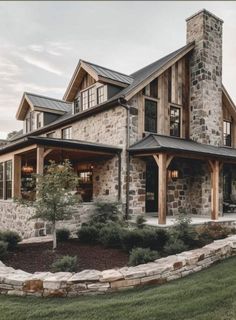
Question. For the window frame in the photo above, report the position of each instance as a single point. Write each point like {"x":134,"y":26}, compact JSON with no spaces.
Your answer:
{"x":103,"y":95}
{"x":174,"y":106}
{"x":146,"y":98}
{"x":64,"y":130}
{"x":227,"y":122}
{"x":7,"y":180}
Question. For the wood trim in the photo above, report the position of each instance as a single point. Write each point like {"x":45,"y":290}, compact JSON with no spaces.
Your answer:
{"x":158,"y":73}
{"x":162,"y":189}
{"x":16,"y":167}
{"x":40,"y":160}
{"x":114,"y":82}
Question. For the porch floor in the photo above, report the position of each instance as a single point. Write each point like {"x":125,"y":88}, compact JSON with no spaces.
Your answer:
{"x":195,"y":220}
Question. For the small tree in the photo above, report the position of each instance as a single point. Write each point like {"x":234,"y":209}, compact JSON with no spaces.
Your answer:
{"x":55,"y":194}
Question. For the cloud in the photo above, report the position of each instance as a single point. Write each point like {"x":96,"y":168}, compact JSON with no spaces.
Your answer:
{"x":35,"y":88}
{"x":36,"y":48}
{"x":8,"y":69}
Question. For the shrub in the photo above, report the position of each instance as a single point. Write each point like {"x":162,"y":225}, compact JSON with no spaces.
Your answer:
{"x":88,"y":234}
{"x":3,"y":249}
{"x":140,"y":222}
{"x":65,"y":264}
{"x":175,"y":246}
{"x":106,"y":212}
{"x":141,"y":255}
{"x":132,"y":239}
{"x":63,"y":234}
{"x":111,"y":236}
{"x":11,"y":237}
{"x":213,"y":231}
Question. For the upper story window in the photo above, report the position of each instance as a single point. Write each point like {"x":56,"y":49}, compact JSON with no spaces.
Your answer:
{"x":6,"y":180}
{"x":39,"y":120}
{"x":1,"y":181}
{"x":150,"y":116}
{"x":175,"y":121}
{"x":50,"y":134}
{"x":67,"y":133}
{"x":84,"y":98}
{"x":28,"y":122}
{"x":77,"y":105}
{"x":227,"y":133}
{"x":91,"y":97}
{"x":88,"y":98}
{"x":151,"y":90}
{"x":100,"y":94}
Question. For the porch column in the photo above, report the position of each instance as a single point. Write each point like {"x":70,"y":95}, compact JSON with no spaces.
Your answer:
{"x":215,"y":167}
{"x":16,"y":176}
{"x":162,"y":189}
{"x":40,"y":160}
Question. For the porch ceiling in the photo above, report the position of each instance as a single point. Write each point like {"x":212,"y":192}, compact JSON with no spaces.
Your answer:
{"x":155,"y":143}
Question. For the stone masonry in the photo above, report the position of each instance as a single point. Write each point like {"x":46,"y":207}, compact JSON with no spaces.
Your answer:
{"x":90,"y":282}
{"x":205,"y":78}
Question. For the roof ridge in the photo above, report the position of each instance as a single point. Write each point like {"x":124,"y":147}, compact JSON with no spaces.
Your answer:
{"x":46,"y":97}
{"x":112,"y":70}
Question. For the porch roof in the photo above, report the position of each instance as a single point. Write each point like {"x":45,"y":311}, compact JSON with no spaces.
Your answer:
{"x":159,"y":143}
{"x":61,"y":143}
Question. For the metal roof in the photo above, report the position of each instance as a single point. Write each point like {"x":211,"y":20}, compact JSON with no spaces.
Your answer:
{"x":110,"y":74}
{"x":62,"y":143}
{"x":48,"y":103}
{"x":159,"y":143}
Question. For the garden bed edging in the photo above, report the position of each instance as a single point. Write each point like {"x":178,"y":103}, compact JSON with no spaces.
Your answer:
{"x":66,"y":284}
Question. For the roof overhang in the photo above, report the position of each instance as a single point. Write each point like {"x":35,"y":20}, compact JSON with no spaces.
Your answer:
{"x":153,"y":144}
{"x":62,"y":144}
{"x":23,"y":108}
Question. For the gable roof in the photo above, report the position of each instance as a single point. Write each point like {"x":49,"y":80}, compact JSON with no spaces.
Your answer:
{"x":131,"y":83}
{"x":160,"y":143}
{"x":41,"y":103}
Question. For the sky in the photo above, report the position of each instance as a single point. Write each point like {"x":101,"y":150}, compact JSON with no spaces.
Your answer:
{"x":42,"y":42}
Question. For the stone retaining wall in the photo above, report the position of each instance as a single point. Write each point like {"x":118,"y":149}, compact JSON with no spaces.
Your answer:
{"x":66,"y":284}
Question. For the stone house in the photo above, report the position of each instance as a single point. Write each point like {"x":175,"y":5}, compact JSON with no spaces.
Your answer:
{"x":161,"y":140}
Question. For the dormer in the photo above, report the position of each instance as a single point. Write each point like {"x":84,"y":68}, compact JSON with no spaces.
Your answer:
{"x":92,"y":85}
{"x":38,"y":111}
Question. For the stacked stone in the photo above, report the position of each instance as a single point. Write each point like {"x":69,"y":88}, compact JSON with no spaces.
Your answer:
{"x":89,"y":282}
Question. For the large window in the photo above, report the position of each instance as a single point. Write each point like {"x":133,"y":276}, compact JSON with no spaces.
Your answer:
{"x":175,"y":120}
{"x":100,"y":94}
{"x":150,"y":116}
{"x":227,"y":133}
{"x":88,"y":98}
{"x":91,"y":100}
{"x":1,"y":180}
{"x":6,"y":180}
{"x":67,"y":133}
{"x":28,"y":122}
{"x":84,"y":96}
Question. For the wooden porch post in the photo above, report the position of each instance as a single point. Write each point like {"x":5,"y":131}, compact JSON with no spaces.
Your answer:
{"x":16,"y":176}
{"x":40,"y":160}
{"x":215,"y":173}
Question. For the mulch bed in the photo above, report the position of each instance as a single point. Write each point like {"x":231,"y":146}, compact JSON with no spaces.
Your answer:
{"x":39,"y":256}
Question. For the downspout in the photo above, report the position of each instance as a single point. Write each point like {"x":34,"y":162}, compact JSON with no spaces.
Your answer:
{"x":127,"y":107}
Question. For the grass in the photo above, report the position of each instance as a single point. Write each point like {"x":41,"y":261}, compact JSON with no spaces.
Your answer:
{"x":206,"y":295}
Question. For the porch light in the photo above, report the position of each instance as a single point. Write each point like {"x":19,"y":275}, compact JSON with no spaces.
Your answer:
{"x":27,"y":169}
{"x":173,"y":174}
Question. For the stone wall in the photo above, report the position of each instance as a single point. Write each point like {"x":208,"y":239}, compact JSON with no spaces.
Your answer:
{"x":206,"y":78}
{"x":90,"y":282}
{"x":18,"y":218}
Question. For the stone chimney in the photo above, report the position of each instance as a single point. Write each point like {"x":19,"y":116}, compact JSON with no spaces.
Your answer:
{"x":205,"y":78}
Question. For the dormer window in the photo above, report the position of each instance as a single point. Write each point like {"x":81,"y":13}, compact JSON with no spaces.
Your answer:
{"x":39,"y":120}
{"x":28,"y":122}
{"x":100,"y":94}
{"x":77,"y":105}
{"x":66,"y":133}
{"x":88,"y":98}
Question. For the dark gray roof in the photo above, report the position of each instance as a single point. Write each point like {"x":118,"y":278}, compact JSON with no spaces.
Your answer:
{"x":110,"y":74}
{"x":61,"y":143}
{"x":159,"y":143}
{"x":49,"y":103}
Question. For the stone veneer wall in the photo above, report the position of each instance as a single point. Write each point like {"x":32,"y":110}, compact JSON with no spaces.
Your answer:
{"x":18,"y":218}
{"x":206,"y":78}
{"x":87,"y":282}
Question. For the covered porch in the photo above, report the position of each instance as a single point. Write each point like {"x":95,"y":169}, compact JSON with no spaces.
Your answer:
{"x":186,"y":177}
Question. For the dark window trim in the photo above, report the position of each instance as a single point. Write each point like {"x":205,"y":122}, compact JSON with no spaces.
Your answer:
{"x":179,"y":123}
{"x":146,"y":128}
{"x":227,"y":137}
{"x":6,"y":181}
{"x":64,"y":130}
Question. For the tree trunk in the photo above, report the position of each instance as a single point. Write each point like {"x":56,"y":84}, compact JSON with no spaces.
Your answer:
{"x":54,"y":235}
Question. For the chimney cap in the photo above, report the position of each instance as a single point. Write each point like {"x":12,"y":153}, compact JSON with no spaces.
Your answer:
{"x":206,"y":12}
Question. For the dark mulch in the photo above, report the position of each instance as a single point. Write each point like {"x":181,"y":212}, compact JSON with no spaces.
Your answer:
{"x":39,"y":257}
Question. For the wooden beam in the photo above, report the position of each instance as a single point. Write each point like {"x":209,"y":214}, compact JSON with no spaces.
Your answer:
{"x":168,"y":161}
{"x":156,"y":158}
{"x":40,"y":160}
{"x":162,"y":188}
{"x":16,"y":176}
{"x":47,"y":152}
{"x":215,"y":173}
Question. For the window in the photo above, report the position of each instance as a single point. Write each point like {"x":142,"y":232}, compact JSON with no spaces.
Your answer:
{"x":8,"y":179}
{"x":38,"y":120}
{"x":1,"y":180}
{"x":100,"y":95}
{"x":175,"y":119}
{"x":91,"y":97}
{"x":50,"y":134}
{"x":67,"y":133}
{"x":151,"y":90}
{"x":77,"y":105}
{"x":227,"y":133}
{"x":86,"y":185}
{"x":84,"y":96}
{"x":28,"y":122}
{"x":150,"y":116}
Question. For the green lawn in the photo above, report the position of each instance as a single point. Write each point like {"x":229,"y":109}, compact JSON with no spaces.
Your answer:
{"x":210,"y":294}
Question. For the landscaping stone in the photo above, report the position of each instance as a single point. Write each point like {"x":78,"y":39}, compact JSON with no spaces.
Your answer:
{"x":86,"y":275}
{"x":111,"y":275}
